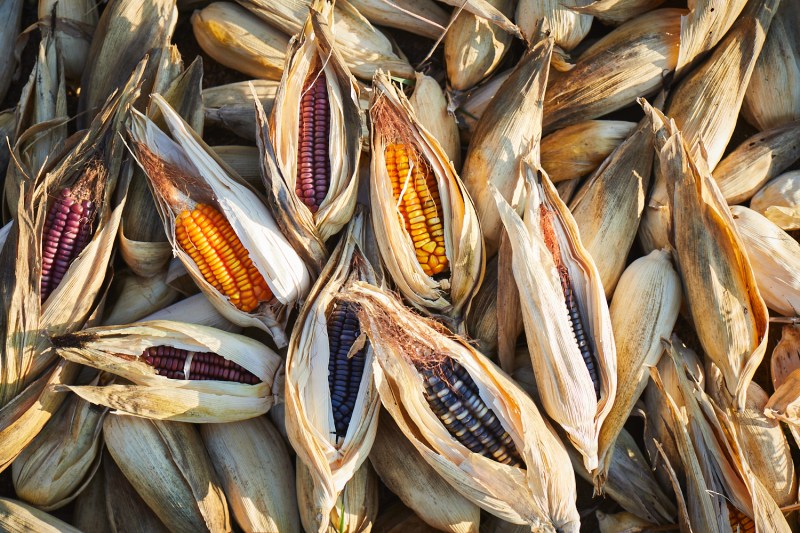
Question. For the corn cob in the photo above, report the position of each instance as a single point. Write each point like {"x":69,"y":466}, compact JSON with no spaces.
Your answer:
{"x":575,"y":319}
{"x":454,"y":397}
{"x":68,"y":228}
{"x":417,"y":196}
{"x":344,"y":373}
{"x":740,"y":522}
{"x":212,"y":244}
{"x":313,"y":163}
{"x":171,"y":362}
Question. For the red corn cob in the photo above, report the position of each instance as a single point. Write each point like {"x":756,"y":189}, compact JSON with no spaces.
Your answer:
{"x":313,"y":163}
{"x":171,"y":362}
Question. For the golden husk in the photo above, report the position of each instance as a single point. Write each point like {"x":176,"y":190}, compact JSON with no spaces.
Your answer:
{"x":75,"y":22}
{"x":420,"y":17}
{"x":567,"y":27}
{"x":18,"y":517}
{"x":779,"y":201}
{"x":137,"y":297}
{"x":430,"y":106}
{"x":123,"y":507}
{"x":616,"y":12}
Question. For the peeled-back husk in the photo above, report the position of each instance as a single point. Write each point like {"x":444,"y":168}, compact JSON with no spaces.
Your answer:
{"x":568,"y":27}
{"x":565,"y":385}
{"x":779,"y":201}
{"x":393,"y":120}
{"x":18,"y":517}
{"x":74,"y":23}
{"x":542,"y":495}
{"x":118,"y":350}
{"x":431,"y":108}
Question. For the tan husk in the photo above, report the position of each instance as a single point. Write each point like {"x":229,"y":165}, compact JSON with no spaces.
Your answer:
{"x":231,"y":105}
{"x":543,"y":493}
{"x":123,"y":508}
{"x":704,"y":26}
{"x":313,"y":49}
{"x":566,"y":26}
{"x":616,"y":12}
{"x":784,"y":366}
{"x":400,"y":519}
{"x":138,"y":297}
{"x":7,"y":136}
{"x":118,"y":350}
{"x":481,"y":324}
{"x":330,"y":461}
{"x":170,"y":469}
{"x":577,"y":150}
{"x":255,"y":471}
{"x":474,"y":103}
{"x":17,"y":517}
{"x":244,"y":160}
{"x":195,"y":309}
{"x":774,"y":257}
{"x":431,"y":107}
{"x":89,"y":512}
{"x":392,"y":121}
{"x":486,"y":10}
{"x":75,"y":22}
{"x":11,"y":13}
{"x":756,"y":161}
{"x":420,"y":17}
{"x":565,"y":385}
{"x":779,"y":201}
{"x":508,"y":130}
{"x":474,"y":47}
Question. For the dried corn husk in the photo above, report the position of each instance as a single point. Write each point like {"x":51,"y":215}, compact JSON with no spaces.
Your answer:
{"x":315,"y":46}
{"x":704,"y":26}
{"x":616,"y":12}
{"x":7,"y":136}
{"x":59,"y":463}
{"x":330,"y":462}
{"x":138,"y":297}
{"x":364,"y":48}
{"x":195,"y":169}
{"x":482,"y":318}
{"x":756,"y":161}
{"x":785,"y":361}
{"x":566,"y":26}
{"x":255,"y":470}
{"x":195,"y":309}
{"x":11,"y":15}
{"x":125,"y":510}
{"x":419,"y":486}
{"x":400,"y":519}
{"x":170,"y":469}
{"x":393,"y":120}
{"x":565,"y":385}
{"x":476,"y":101}
{"x":420,"y":17}
{"x":608,"y":208}
{"x":74,"y":22}
{"x":89,"y":513}
{"x":508,"y":130}
{"x":779,"y":201}
{"x":621,"y":523}
{"x":716,"y":272}
{"x":577,"y":150}
{"x":644,"y":48}
{"x":643,"y":312}
{"x":474,"y":47}
{"x":231,"y":106}
{"x":773,"y":95}
{"x":543,"y":494}
{"x":17,"y":517}
{"x":775,"y":258}
{"x":238,"y":39}
{"x":127,"y":31}
{"x":430,"y":105}
{"x":244,"y":160}
{"x":118,"y":350}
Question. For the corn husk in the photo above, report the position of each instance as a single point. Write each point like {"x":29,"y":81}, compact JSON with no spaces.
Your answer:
{"x":779,"y":201}
{"x":513,"y":117}
{"x":17,"y":517}
{"x":7,"y":136}
{"x":703,"y":27}
{"x":567,"y":27}
{"x":565,"y":385}
{"x":244,"y":160}
{"x":195,"y":309}
{"x":621,"y":523}
{"x":609,"y":206}
{"x":118,"y":350}
{"x":773,"y":94}
{"x":124,"y":509}
{"x":403,"y":470}
{"x":89,"y":513}
{"x":138,"y":297}
{"x":330,"y":462}
{"x":200,"y":173}
{"x":316,"y":45}
{"x":785,"y":361}
{"x":127,"y":31}
{"x":255,"y":470}
{"x":482,"y":318}
{"x":474,"y":47}
{"x":430,"y":105}
{"x":644,"y":48}
{"x":577,"y":150}
{"x":238,"y":39}
{"x":231,"y":106}
{"x":713,"y":264}
{"x":615,"y":12}
{"x":420,"y":17}
{"x":365,"y":49}
{"x":11,"y":14}
{"x":756,"y":161}
{"x":400,"y":519}
{"x":543,"y":494}
{"x":393,"y":120}
{"x":476,"y":101}
{"x":74,"y":22}
{"x":59,"y":463}
{"x":643,"y":312}
{"x":170,"y":469}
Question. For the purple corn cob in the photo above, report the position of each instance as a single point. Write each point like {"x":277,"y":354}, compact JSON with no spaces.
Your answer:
{"x":344,"y":375}
{"x":67,"y":230}
{"x":171,"y":362}
{"x":576,"y":322}
{"x":313,"y":162}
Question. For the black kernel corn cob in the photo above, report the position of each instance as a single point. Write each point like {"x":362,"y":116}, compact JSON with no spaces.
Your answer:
{"x":344,"y":374}
{"x":313,"y":160}
{"x":171,"y":362}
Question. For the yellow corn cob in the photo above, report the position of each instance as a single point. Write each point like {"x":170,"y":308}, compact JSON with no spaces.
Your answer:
{"x":419,"y":207}
{"x":224,"y":262}
{"x":740,"y":522}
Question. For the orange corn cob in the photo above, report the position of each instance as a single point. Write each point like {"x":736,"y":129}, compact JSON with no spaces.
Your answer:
{"x":420,"y":207}
{"x":740,"y":522}
{"x":212,"y":244}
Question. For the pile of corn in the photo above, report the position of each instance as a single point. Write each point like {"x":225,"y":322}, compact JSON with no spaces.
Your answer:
{"x":391,"y":266}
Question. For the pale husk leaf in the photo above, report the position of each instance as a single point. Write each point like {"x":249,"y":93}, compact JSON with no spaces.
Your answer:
{"x":779,"y":201}
{"x":124,"y":510}
{"x":89,"y":513}
{"x":420,"y":17}
{"x":431,"y":108}
{"x":17,"y":517}
{"x":244,"y":160}
{"x":475,"y":102}
{"x":138,"y":297}
{"x":616,"y":12}
{"x":704,"y":26}
{"x":621,"y":522}
{"x":567,"y":27}
{"x":195,"y":309}
{"x":75,"y":21}
{"x":231,"y":105}
{"x":486,"y":10}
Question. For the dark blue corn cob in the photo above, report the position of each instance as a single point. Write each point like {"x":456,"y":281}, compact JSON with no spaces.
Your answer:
{"x":344,"y":374}
{"x":171,"y":362}
{"x":454,"y":398}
